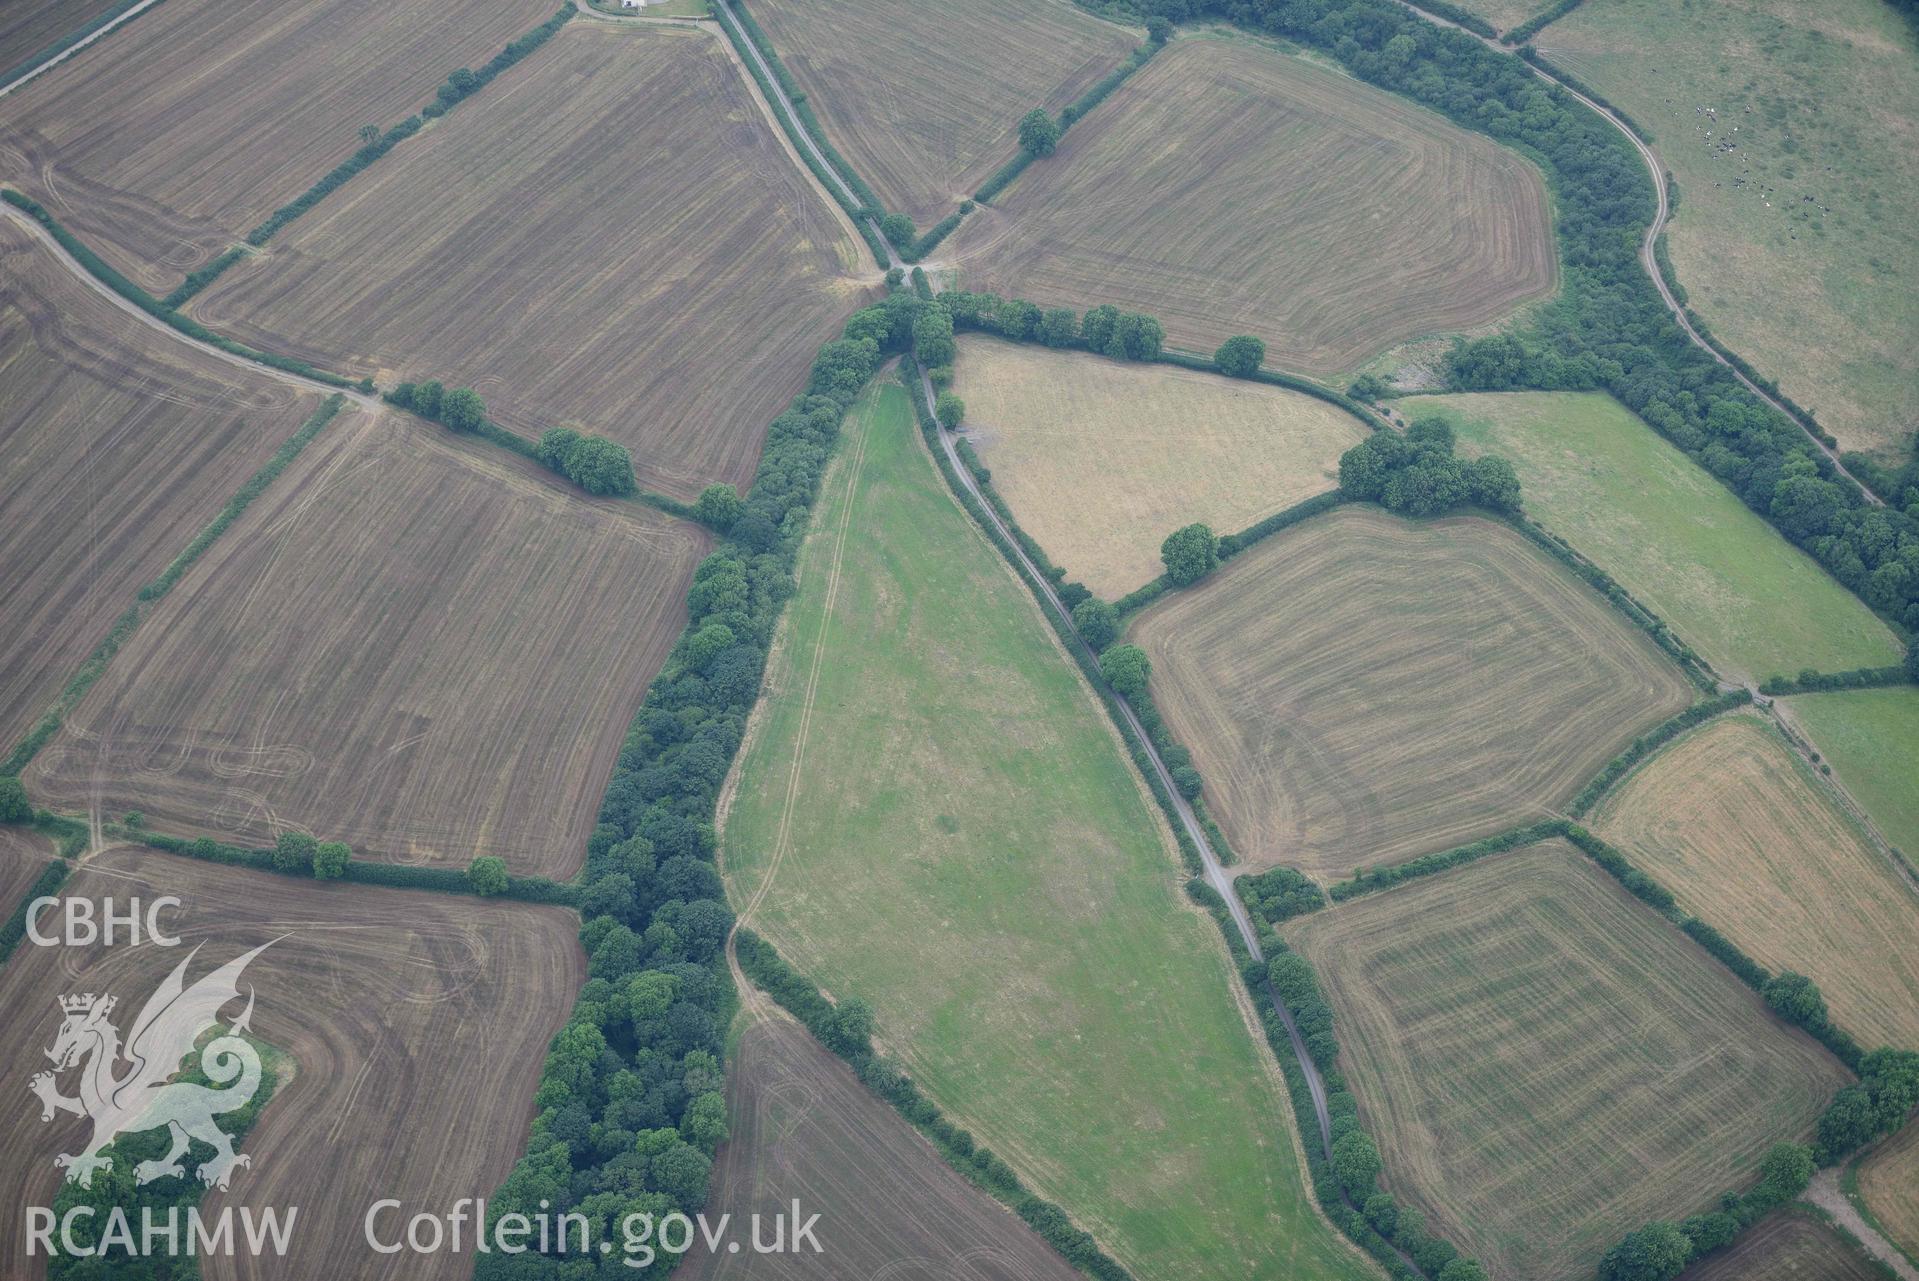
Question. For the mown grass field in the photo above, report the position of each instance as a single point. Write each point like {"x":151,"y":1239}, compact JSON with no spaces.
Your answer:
{"x":321,"y":667}
{"x":1547,"y":1063}
{"x":1730,"y":820}
{"x":1791,"y":130}
{"x":1887,"y":1180}
{"x":393,"y":1007}
{"x":1870,"y":737}
{"x":1027,"y":951}
{"x":1228,"y":188}
{"x":1722,"y":577}
{"x":1791,"y":1244}
{"x":117,"y":444}
{"x":923,"y":100}
{"x":219,"y":115}
{"x":1360,"y":689}
{"x":29,"y":27}
{"x":803,"y":1126}
{"x":609,"y":236}
{"x":1101,"y":460}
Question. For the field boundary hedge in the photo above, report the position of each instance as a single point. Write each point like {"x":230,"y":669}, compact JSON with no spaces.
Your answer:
{"x":95,"y":663}
{"x":1459,"y":17}
{"x":1075,"y":647}
{"x":654,"y":917}
{"x":1539,"y":21}
{"x":801,"y":997}
{"x":51,"y":878}
{"x":1069,"y":116}
{"x":1651,"y":741}
{"x":107,"y":275}
{"x":836,"y":173}
{"x":459,"y":86}
{"x":444,"y":880}
{"x":73,"y":38}
{"x":1372,"y":880}
{"x":1231,"y":545}
{"x":1812,"y":682}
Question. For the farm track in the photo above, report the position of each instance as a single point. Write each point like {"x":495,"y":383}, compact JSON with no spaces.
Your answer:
{"x":360,"y":400}
{"x":1647,"y":257}
{"x":1825,"y":1194}
{"x":1215,"y":872}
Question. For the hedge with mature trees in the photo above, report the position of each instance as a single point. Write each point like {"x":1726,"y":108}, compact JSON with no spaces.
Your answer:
{"x":630,"y":1103}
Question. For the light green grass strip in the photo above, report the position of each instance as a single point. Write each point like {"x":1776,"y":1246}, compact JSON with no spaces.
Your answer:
{"x":1725,"y":580}
{"x":1871,"y":739}
{"x":960,"y":842}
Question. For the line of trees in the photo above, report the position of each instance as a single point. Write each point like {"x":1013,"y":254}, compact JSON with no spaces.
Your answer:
{"x":597,"y":465}
{"x":1122,"y":335}
{"x":630,"y":1103}
{"x":1279,"y":895}
{"x":1609,"y":328}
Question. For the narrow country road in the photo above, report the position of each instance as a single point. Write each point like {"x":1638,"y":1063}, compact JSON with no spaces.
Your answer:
{"x":1215,"y":873}
{"x":357,"y":398}
{"x":1648,"y":257}
{"x":732,"y":22}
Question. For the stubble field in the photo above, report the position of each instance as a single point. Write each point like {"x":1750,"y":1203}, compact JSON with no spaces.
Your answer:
{"x":1101,"y":460}
{"x":1791,"y":129}
{"x":923,"y":99}
{"x":426,"y":648}
{"x":1228,"y":188}
{"x":610,"y":236}
{"x":805,"y":1128}
{"x":1671,"y":534}
{"x":219,"y":115}
{"x":1732,"y":823}
{"x":1789,"y":1245}
{"x":413,"y":1021}
{"x":117,"y":444}
{"x":29,"y":27}
{"x":1547,"y":1063}
{"x":1027,"y":952}
{"x":1887,"y":1179}
{"x":1870,"y":737}
{"x":1360,"y":689}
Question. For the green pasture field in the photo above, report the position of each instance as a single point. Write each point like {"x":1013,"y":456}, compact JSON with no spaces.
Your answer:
{"x":1871,"y":739}
{"x":1725,"y":580}
{"x":933,"y":814}
{"x":1791,"y":129}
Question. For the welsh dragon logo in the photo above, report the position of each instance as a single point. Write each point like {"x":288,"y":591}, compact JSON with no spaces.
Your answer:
{"x":140,"y":1097}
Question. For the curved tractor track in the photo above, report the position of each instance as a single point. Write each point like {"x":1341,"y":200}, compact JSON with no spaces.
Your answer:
{"x":1647,"y":255}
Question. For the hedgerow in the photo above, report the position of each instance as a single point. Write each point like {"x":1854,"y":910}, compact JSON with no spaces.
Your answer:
{"x":74,"y":37}
{"x":1815,"y":682}
{"x":1071,"y":114}
{"x":1608,"y":328}
{"x":846,"y":1029}
{"x":95,"y":663}
{"x":107,"y":275}
{"x":1651,"y":740}
{"x":1533,"y":25}
{"x":636,"y":1070}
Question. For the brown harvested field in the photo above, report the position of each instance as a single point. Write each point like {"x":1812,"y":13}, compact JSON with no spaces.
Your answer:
{"x":218,"y":114}
{"x":421,"y":646}
{"x":1100,"y":459}
{"x":1228,"y":188}
{"x":117,"y":444}
{"x":1889,"y":1182}
{"x":1790,"y":1244}
{"x":610,"y":236}
{"x":24,"y":854}
{"x":1547,"y":1063}
{"x":1360,"y":689}
{"x":416,"y":1022}
{"x":803,"y":1126}
{"x":922,"y":99}
{"x":1731,"y":821}
{"x":29,"y":27}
